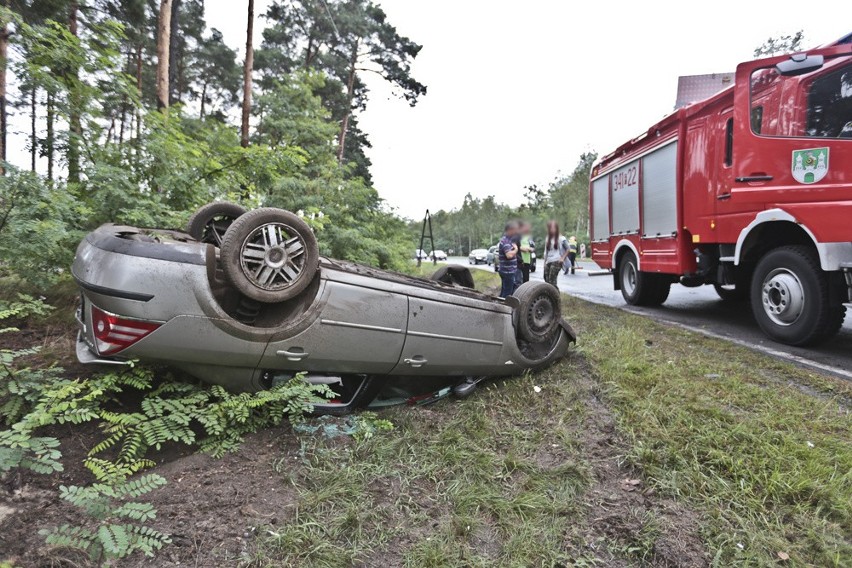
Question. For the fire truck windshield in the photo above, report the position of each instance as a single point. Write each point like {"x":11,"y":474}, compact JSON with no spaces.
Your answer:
{"x":813,"y":105}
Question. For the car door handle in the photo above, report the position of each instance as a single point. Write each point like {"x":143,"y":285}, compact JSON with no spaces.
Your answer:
{"x":415,"y":362}
{"x":761,"y":177}
{"x":292,"y":355}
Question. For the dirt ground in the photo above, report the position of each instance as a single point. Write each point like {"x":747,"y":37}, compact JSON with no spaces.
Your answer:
{"x":215,"y":508}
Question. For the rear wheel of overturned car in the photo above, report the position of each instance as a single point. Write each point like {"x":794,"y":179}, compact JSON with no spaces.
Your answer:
{"x":210,"y":222}
{"x":270,"y":255}
{"x":539,"y":310}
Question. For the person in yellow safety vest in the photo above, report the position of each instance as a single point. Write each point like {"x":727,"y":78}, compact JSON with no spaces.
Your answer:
{"x":527,"y":248}
{"x":571,"y":261}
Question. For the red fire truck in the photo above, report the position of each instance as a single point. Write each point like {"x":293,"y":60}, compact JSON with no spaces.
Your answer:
{"x":749,"y":191}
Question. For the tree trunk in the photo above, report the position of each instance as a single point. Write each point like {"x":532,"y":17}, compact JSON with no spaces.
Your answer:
{"x":49,"y":137}
{"x":163,"y":35}
{"x":33,"y":134}
{"x":123,"y":118}
{"x":74,"y":121}
{"x":139,"y":89}
{"x":174,"y":53}
{"x":244,"y":132}
{"x":309,"y":52}
{"x":350,"y":93}
{"x":203,"y":96}
{"x":4,"y":47}
{"x":110,"y":131}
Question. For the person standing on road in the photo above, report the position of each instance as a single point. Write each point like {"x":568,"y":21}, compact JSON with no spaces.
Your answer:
{"x":572,"y":255}
{"x":516,"y":240}
{"x":507,"y":252}
{"x":555,"y":253}
{"x":527,"y":247}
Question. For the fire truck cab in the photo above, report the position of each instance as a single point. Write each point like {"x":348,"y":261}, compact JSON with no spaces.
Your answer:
{"x":749,"y":191}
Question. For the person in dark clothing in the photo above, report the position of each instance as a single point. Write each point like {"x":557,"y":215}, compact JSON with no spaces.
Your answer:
{"x":507,"y":252}
{"x":516,"y":240}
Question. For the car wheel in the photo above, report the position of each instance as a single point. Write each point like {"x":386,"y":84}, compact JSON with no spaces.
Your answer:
{"x":791,"y":297}
{"x":209,"y":223}
{"x":270,"y":255}
{"x":539,"y":310}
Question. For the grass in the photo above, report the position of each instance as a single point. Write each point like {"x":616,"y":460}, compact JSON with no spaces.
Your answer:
{"x":762,"y":448}
{"x":753,"y":454}
{"x":457,"y":484}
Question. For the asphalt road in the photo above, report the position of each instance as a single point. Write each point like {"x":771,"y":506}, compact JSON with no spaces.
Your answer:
{"x":700,"y":309}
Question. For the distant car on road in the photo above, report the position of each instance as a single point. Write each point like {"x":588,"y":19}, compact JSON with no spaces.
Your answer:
{"x":492,"y":257}
{"x":478,"y":255}
{"x":420,"y":254}
{"x":438,"y":255}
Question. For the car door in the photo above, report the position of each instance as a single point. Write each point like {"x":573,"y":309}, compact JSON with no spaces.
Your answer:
{"x":359,"y":329}
{"x":451,"y":338}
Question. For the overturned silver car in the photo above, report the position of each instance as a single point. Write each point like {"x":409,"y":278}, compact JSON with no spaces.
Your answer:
{"x":244,"y":300}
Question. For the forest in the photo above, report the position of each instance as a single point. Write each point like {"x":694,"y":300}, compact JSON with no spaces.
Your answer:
{"x":138,"y":114}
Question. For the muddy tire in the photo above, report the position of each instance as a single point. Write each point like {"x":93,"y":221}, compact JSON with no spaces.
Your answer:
{"x":791,"y":297}
{"x":270,"y":255}
{"x":641,"y":288}
{"x":539,"y":311}
{"x":210,"y":223}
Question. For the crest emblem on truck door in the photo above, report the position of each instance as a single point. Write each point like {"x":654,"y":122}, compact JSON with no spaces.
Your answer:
{"x":810,"y":165}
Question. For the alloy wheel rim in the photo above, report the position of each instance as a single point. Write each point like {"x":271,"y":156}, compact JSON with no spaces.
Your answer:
{"x":783,"y":297}
{"x":273,"y":256}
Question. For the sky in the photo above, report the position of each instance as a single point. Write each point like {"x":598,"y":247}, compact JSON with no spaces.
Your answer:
{"x":518,"y":90}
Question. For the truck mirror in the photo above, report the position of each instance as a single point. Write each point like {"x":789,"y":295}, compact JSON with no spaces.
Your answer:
{"x":799,"y":63}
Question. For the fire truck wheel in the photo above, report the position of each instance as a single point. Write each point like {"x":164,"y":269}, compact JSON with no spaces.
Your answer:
{"x":641,"y":288}
{"x":790,"y":297}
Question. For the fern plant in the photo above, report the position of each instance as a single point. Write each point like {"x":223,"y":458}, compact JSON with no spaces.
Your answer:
{"x":175,"y":412}
{"x":34,"y":398}
{"x":115,"y":524}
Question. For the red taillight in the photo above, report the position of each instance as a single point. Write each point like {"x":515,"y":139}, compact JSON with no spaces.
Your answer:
{"x":114,"y":333}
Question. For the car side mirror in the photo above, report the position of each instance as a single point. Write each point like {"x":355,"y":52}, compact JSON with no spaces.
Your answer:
{"x":799,"y":64}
